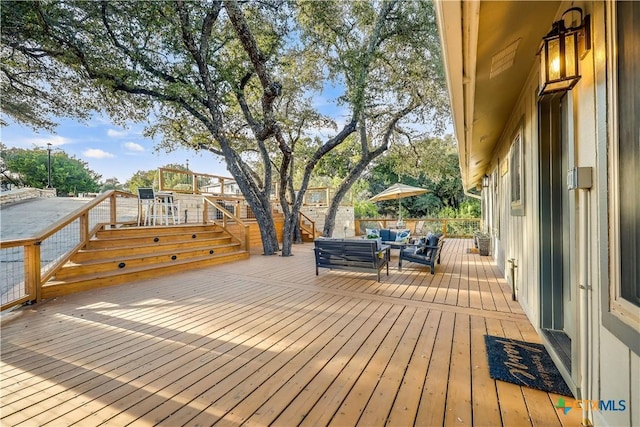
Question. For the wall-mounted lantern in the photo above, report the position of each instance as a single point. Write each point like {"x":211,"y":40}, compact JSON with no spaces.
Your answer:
{"x":485,"y":181}
{"x":561,"y":51}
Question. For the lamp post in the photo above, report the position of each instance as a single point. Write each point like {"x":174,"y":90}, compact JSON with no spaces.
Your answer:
{"x":49,"y":165}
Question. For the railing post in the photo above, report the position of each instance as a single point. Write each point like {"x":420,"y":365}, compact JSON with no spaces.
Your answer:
{"x":205,"y":211}
{"x":113,"y":212}
{"x":246,"y":238}
{"x":194,"y":184}
{"x":32,"y":275}
{"x":84,"y":227}
{"x":444,"y":227}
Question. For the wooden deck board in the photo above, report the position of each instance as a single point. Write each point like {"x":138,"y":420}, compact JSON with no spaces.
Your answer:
{"x":265,"y":341}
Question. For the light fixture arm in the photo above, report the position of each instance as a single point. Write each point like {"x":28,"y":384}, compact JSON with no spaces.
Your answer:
{"x":580,"y":23}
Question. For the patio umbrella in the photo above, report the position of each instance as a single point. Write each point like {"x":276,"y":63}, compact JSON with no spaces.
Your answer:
{"x":398,"y":191}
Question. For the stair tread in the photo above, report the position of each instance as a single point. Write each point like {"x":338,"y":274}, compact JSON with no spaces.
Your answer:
{"x":142,"y":268}
{"x":127,"y":244}
{"x":124,"y":235}
{"x":153,"y":253}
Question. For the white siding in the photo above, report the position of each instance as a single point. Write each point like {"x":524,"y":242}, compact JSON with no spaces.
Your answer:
{"x":614,"y":369}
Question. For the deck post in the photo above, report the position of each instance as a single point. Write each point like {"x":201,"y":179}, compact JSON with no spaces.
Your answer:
{"x":113,"y":215}
{"x":205,"y":211}
{"x":84,"y":226}
{"x":32,"y":277}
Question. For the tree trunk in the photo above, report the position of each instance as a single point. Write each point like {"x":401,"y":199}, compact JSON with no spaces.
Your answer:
{"x":290,"y":224}
{"x":266,"y":224}
{"x":297,"y":234}
{"x":330,"y":218}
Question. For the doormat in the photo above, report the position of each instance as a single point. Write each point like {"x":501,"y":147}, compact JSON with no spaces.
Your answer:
{"x":524,"y":363}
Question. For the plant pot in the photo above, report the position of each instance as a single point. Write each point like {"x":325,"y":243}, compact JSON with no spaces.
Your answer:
{"x":484,"y":244}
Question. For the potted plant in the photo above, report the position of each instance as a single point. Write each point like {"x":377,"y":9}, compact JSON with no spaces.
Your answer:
{"x":484,"y":243}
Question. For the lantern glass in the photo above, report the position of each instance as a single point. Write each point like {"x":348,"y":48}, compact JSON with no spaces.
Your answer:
{"x":554,"y":59}
{"x":559,"y":63}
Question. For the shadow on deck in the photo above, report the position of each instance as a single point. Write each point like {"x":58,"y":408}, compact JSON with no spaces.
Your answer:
{"x":265,"y":341}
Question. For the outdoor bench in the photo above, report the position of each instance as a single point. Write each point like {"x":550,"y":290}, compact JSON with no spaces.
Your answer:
{"x":356,"y":255}
{"x":427,"y":253}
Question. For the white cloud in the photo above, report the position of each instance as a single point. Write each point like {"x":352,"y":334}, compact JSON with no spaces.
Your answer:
{"x":132,"y":146}
{"x":96,"y":153}
{"x":54,"y":140}
{"x":114,"y":133}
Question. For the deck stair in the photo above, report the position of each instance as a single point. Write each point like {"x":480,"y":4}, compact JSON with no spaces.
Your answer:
{"x":121,"y":255}
{"x":306,"y":231}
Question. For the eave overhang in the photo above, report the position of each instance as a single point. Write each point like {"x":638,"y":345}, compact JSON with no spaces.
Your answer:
{"x":489,"y":50}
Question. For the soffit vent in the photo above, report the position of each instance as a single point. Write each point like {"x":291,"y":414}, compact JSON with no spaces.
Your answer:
{"x":503,"y":60}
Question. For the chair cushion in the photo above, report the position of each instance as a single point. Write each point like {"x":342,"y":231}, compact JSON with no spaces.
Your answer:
{"x":385,"y":235}
{"x":372,"y":232}
{"x":433,"y":240}
{"x":403,"y":235}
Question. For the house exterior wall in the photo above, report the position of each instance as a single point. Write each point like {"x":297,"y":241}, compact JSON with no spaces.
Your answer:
{"x":613,"y":368}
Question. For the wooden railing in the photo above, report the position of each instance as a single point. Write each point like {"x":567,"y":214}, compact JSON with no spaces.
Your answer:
{"x":29,"y":263}
{"x":310,"y":230}
{"x":450,"y":227}
{"x":212,"y":210}
{"x":322,"y":196}
{"x":186,"y":181}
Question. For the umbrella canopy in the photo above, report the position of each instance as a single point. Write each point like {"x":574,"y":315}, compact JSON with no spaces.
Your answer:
{"x":398,"y":191}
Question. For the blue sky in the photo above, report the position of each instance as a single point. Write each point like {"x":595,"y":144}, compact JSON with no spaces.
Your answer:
{"x":113,"y":151}
{"x":108,"y":150}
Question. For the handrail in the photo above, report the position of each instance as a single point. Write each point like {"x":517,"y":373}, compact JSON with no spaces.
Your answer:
{"x":313,"y":223}
{"x":66,"y":239}
{"x":60,"y":224}
{"x":226,"y":214}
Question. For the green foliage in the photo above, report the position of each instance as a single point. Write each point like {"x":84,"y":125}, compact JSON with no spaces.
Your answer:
{"x":241,"y":80}
{"x":470,"y":208}
{"x":150,"y":178}
{"x":111,"y":184}
{"x":365,"y":209}
{"x":144,"y":179}
{"x":68,"y":174}
{"x":431,"y":163}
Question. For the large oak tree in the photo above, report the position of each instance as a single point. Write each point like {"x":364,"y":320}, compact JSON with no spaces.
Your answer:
{"x":238,"y":79}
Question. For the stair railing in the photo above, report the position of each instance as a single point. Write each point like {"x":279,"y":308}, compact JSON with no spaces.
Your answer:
{"x":29,"y":263}
{"x":224,"y":222}
{"x":303,"y":226}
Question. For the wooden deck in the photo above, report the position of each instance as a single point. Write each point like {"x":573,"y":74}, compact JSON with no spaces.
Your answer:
{"x":264,"y":341}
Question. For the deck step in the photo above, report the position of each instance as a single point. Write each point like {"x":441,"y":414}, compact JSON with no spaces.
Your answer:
{"x":128,"y":259}
{"x":121,"y":255}
{"x":56,"y":288}
{"x":85,"y":255}
{"x":117,"y":241}
{"x":143,"y":231}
